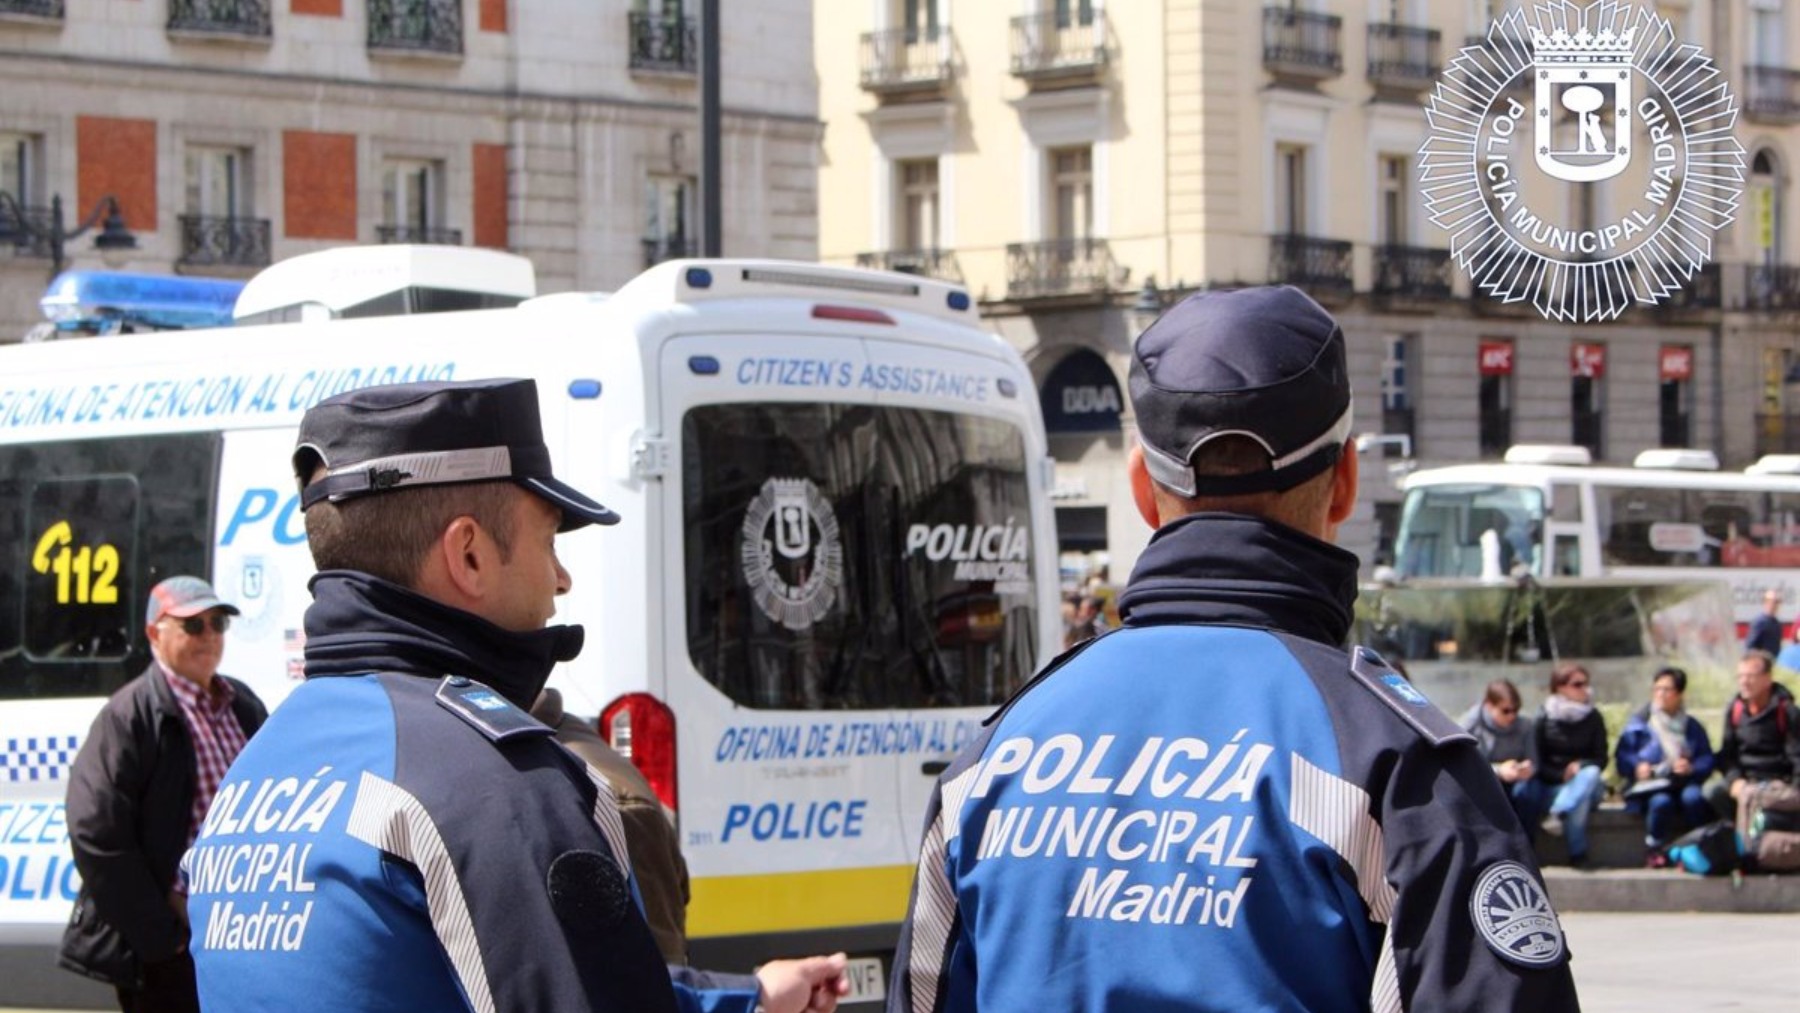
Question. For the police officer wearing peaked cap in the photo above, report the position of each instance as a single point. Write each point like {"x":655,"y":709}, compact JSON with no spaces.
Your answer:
{"x":1254,"y":817}
{"x":451,"y":854}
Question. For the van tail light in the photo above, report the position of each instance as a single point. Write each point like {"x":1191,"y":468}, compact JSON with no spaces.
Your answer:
{"x":641,"y":728}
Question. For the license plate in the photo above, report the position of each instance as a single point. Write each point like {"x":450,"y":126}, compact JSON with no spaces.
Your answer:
{"x":867,"y":983}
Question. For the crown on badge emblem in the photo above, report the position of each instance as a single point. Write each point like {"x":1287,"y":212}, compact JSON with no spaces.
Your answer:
{"x":1582,"y":47}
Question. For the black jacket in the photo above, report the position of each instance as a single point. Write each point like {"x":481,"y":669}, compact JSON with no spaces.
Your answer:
{"x":1756,"y":747}
{"x":130,"y":791}
{"x":1559,"y":742}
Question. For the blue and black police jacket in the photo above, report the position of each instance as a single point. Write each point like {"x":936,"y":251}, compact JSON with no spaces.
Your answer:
{"x":1218,"y":808}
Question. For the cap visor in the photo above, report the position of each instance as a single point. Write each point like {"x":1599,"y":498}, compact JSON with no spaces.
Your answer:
{"x":577,"y":510}
{"x":190,"y":609}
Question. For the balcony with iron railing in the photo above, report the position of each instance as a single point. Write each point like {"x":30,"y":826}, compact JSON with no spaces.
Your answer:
{"x":940,"y":264}
{"x":248,"y":18}
{"x":1059,"y":267}
{"x":1404,"y":60}
{"x":1704,"y":291}
{"x":1772,"y":288}
{"x":430,"y":234}
{"x":1772,"y":95}
{"x":32,"y":8}
{"x":1322,"y":268}
{"x":416,"y":26}
{"x":660,"y":248}
{"x":219,"y":241}
{"x":1058,"y":47}
{"x":1411,"y":274}
{"x":1302,"y":47}
{"x":662,"y":43}
{"x":906,"y":61}
{"x":29,"y":237}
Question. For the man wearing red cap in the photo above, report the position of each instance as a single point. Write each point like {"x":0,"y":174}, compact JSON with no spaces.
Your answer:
{"x":138,"y":791}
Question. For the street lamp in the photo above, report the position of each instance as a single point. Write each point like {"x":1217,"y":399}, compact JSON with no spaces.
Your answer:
{"x":16,"y":227}
{"x":1146,"y":307}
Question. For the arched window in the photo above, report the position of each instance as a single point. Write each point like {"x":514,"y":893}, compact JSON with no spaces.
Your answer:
{"x":1765,"y":207}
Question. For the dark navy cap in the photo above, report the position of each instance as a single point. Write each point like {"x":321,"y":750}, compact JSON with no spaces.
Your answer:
{"x":410,"y":434}
{"x":1263,"y":363}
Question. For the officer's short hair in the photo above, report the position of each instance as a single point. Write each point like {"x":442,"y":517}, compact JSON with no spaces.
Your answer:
{"x":389,"y":536}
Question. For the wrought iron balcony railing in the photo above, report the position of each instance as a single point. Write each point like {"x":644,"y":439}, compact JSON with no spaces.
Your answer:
{"x":663,"y":43}
{"x":418,"y":234}
{"x":220,"y":17}
{"x":1322,"y":268}
{"x":906,"y":60}
{"x":1772,"y":95}
{"x":1056,"y":267}
{"x":33,"y":8}
{"x":1302,"y":44}
{"x":1703,"y":292}
{"x":1057,"y":46}
{"x":1773,"y":288}
{"x":213,"y":241}
{"x":1412,"y":272}
{"x":426,"y":26}
{"x":660,"y":248}
{"x":1404,"y":58}
{"x":939,"y":264}
{"x":29,"y":237}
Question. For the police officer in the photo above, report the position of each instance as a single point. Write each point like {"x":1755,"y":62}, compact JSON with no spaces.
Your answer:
{"x":1218,"y":807}
{"x":402,"y":835}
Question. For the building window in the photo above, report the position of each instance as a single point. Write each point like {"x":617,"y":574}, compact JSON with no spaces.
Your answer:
{"x":1765,"y":207}
{"x":918,"y":205}
{"x":412,"y":203}
{"x":1587,"y":397}
{"x":1391,"y":226}
{"x":920,"y":20}
{"x":1072,"y":192}
{"x":18,"y":167}
{"x":1397,"y":395}
{"x":1675,"y":370}
{"x":669,"y":214}
{"x":1074,"y":12}
{"x":1290,"y":189}
{"x":1495,"y":361}
{"x":1766,"y":29}
{"x":218,"y":182}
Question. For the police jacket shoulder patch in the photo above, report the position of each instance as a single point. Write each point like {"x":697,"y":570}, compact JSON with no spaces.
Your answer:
{"x":1402,"y":698}
{"x":486,"y":710}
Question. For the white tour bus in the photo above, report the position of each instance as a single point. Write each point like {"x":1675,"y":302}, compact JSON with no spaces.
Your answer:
{"x":836,"y":554}
{"x":1672,"y":516}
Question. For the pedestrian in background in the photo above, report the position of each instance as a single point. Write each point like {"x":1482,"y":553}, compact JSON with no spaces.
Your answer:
{"x":1665,"y":756}
{"x":1765,"y":630}
{"x":138,"y":790}
{"x":1571,"y":750}
{"x":440,"y":851}
{"x":1218,"y":807}
{"x":1507,"y":742}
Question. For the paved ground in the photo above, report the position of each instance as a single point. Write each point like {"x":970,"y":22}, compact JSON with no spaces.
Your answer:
{"x":1652,"y":963}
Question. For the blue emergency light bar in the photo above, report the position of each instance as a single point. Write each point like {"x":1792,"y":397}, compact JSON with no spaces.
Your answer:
{"x":104,"y":301}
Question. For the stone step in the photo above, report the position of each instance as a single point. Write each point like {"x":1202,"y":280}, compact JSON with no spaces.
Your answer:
{"x":1615,"y":840}
{"x":1670,"y":890}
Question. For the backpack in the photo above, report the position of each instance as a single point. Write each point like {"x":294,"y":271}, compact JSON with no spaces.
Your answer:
{"x":1773,"y":828}
{"x":1711,"y":850}
{"x":1736,"y":717}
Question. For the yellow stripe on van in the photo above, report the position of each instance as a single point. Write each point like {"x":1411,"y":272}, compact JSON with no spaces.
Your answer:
{"x":780,"y":902}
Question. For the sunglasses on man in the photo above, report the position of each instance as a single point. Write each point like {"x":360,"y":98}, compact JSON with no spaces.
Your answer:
{"x":193,"y":626}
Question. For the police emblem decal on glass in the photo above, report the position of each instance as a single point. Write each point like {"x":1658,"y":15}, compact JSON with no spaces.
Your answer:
{"x":792,"y":555}
{"x":1514,"y":917}
{"x":1629,"y":135}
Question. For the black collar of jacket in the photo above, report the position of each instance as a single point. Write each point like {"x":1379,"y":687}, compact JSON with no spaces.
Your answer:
{"x":359,"y":624}
{"x":1236,"y":570}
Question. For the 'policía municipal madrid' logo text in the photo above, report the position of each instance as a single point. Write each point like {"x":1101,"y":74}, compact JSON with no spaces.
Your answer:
{"x":1581,"y":159}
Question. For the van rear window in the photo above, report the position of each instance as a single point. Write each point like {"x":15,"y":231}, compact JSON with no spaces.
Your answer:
{"x":856,"y":556}
{"x":86,"y":528}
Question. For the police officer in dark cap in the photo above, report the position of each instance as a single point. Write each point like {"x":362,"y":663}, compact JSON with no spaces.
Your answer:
{"x":402,"y":835}
{"x":1219,"y":806}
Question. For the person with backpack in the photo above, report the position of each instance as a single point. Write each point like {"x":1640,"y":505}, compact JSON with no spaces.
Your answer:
{"x":1664,"y":756}
{"x":1761,"y":744}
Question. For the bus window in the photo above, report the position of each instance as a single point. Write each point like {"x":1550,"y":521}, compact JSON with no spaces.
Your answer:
{"x":1565,"y":555}
{"x":1632,"y":525}
{"x":1565,"y":502}
{"x":86,"y":528}
{"x":1441,"y":528}
{"x":856,"y":556}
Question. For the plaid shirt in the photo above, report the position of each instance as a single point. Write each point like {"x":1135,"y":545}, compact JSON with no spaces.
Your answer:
{"x":216,"y":735}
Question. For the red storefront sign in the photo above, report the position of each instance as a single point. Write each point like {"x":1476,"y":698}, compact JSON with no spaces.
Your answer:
{"x":1496,"y":358}
{"x":1675,"y":362}
{"x":1587,"y":360}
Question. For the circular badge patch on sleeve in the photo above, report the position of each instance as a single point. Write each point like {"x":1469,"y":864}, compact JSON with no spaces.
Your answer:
{"x":1513,"y":915}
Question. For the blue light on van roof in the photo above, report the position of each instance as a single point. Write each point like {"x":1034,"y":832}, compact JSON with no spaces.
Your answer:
{"x":1006,"y":387}
{"x":584,"y":390}
{"x":703,"y":365}
{"x":958,"y":300}
{"x":699,"y":277}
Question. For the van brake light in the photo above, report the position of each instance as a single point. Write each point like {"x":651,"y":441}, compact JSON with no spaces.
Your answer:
{"x":855,"y":314}
{"x":641,"y":728}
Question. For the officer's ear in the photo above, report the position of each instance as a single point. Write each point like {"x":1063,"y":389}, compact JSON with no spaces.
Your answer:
{"x":465,"y":559}
{"x":1343,"y":484}
{"x":1142,"y":491}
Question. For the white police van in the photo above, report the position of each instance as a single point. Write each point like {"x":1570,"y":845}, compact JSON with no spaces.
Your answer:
{"x":836,"y":556}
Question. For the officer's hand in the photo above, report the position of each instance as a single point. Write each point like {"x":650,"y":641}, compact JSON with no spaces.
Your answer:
{"x":807,"y":985}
